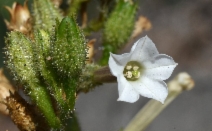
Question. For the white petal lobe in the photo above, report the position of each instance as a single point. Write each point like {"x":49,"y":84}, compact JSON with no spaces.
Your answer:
{"x":160,"y":68}
{"x":143,"y":49}
{"x":115,"y":67}
{"x":126,"y":92}
{"x":151,"y":88}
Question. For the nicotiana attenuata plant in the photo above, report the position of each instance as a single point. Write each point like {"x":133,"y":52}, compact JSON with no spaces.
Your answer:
{"x":47,"y":54}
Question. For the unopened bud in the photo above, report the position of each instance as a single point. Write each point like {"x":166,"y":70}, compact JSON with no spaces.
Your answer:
{"x":69,"y":50}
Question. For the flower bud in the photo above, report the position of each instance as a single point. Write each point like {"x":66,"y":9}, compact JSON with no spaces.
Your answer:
{"x":120,"y":23}
{"x":19,"y":55}
{"x":118,"y":27}
{"x":68,"y":53}
{"x":43,"y":65}
{"x":69,"y":49}
{"x":44,"y":14}
{"x":20,"y":61}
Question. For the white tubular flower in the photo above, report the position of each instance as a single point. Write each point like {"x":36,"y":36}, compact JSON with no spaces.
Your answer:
{"x":149,"y":69}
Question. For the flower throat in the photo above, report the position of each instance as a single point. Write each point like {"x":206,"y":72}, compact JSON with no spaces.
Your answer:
{"x":133,"y":70}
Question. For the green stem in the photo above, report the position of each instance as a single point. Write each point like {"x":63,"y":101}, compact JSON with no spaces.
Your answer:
{"x":148,"y":113}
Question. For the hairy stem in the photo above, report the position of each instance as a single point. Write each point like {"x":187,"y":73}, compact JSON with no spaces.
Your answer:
{"x":104,"y":75}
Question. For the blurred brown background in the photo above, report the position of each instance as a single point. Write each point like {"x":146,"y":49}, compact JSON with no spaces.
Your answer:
{"x":181,"y":29}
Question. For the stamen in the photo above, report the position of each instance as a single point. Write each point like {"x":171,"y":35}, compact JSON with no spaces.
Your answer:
{"x":128,"y":67}
{"x":129,"y":74}
{"x":135,"y":68}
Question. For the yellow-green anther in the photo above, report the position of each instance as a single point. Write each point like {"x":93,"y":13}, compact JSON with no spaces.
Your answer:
{"x":133,"y":70}
{"x":136,"y":74}
{"x":128,"y":67}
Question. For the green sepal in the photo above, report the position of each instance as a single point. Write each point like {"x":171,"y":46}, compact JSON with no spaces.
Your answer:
{"x":119,"y":26}
{"x":20,"y":61}
{"x":68,"y":51}
{"x":69,"y":48}
{"x":42,"y":46}
{"x":44,"y":14}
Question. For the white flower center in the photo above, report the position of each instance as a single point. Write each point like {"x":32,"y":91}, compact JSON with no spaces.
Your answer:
{"x":133,"y":70}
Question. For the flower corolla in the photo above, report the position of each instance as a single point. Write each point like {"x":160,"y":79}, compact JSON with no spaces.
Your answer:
{"x":142,"y":72}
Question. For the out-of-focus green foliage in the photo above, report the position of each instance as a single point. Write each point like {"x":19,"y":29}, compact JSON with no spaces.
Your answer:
{"x":44,"y":14}
{"x":118,"y":28}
